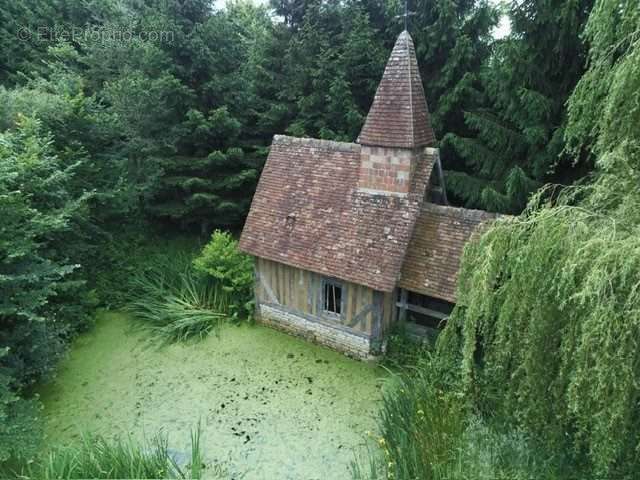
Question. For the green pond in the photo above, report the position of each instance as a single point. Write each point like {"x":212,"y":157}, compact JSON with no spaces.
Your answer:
{"x":271,"y":406}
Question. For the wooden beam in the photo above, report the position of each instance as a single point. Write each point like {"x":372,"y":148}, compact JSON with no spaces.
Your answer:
{"x":272,"y":296}
{"x":361,"y":315}
{"x":424,"y":311}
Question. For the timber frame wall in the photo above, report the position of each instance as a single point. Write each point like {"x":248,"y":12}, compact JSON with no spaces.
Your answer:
{"x":292,"y":299}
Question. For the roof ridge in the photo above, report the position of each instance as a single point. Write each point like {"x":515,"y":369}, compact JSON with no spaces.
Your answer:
{"x":315,"y":142}
{"x":460,"y":212}
{"x":406,"y":41}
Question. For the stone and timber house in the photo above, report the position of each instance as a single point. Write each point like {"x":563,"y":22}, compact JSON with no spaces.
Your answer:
{"x":350,"y":238}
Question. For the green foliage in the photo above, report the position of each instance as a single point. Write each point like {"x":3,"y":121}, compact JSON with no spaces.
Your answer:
{"x":421,"y":425}
{"x":453,"y":41}
{"x":404,"y":350}
{"x":174,"y":303}
{"x":178,"y":296}
{"x":97,"y":457}
{"x":548,"y":302}
{"x":429,"y":432}
{"x":232,"y":270}
{"x":332,"y":67}
{"x":547,"y":328}
{"x":516,"y":127}
{"x":30,"y":28}
{"x":19,"y":430}
{"x":37,"y":276}
{"x":603,"y":111}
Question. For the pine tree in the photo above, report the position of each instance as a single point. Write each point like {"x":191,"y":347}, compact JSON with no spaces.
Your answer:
{"x":333,"y":65}
{"x":517,"y":144}
{"x":453,"y":40}
{"x":208,"y":187}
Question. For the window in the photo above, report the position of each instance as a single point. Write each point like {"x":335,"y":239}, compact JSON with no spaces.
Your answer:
{"x":332,"y":296}
{"x":426,"y":311}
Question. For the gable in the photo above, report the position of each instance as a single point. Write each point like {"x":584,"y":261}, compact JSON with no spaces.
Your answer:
{"x":308,"y":213}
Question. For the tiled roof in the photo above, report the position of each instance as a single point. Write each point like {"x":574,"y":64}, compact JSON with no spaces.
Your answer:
{"x":433,"y":257}
{"x":308,"y":213}
{"x":399,"y":116}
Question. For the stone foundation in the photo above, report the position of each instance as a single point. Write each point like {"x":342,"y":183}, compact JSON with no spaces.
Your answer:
{"x":351,"y":343}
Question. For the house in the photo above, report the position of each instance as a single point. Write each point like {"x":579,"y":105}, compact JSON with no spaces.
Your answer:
{"x":352,"y":237}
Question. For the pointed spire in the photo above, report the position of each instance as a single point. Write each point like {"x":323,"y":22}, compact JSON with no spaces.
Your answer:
{"x":399,"y":116}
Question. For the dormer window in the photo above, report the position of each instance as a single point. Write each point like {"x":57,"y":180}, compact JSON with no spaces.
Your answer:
{"x":332,"y":297}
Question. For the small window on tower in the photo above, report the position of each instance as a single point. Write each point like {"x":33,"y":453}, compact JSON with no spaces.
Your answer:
{"x":332,"y":297}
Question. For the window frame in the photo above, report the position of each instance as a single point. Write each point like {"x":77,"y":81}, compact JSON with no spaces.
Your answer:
{"x":326,"y":282}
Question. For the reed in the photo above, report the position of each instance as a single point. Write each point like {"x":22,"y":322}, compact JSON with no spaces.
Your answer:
{"x":174,"y":302}
{"x":94,"y":456}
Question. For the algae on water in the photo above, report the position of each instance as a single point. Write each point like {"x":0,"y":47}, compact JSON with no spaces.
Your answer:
{"x":271,"y":406}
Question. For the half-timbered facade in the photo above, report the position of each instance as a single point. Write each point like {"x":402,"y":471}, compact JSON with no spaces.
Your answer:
{"x":349,"y":237}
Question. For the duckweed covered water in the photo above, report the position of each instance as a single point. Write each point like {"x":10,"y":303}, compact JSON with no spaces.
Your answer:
{"x":271,"y":406}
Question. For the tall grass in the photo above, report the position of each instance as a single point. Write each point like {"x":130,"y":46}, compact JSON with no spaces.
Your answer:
{"x":174,"y":302}
{"x":428,"y":432}
{"x":96,"y":457}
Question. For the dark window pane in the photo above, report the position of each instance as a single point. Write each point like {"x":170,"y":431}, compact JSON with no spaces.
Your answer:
{"x":333,"y":298}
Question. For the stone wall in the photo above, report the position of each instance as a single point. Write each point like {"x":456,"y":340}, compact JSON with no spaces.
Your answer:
{"x":318,"y":331}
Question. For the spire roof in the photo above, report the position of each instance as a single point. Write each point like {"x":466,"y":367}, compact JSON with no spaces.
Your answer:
{"x":399,"y":116}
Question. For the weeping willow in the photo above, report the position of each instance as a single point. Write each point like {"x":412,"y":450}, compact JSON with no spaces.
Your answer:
{"x":547,"y":329}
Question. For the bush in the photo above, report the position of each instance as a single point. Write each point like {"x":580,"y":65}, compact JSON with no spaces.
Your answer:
{"x":405,"y":350}
{"x":39,"y":268}
{"x":232,"y":270}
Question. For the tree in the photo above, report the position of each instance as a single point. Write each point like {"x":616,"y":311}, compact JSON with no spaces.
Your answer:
{"x":36,"y":270}
{"x":518,"y":141}
{"x":333,"y":64}
{"x":546,"y":334}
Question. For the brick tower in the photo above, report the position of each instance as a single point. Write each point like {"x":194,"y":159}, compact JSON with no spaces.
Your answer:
{"x":397,"y":128}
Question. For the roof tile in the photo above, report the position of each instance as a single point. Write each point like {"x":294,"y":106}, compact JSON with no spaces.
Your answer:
{"x":433,"y":257}
{"x":308,"y":213}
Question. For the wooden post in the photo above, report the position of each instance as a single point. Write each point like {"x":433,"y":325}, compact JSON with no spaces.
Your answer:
{"x":403,"y":305}
{"x":441,"y":180}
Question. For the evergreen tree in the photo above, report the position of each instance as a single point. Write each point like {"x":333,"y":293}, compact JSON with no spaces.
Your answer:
{"x":293,"y":11}
{"x":453,"y":40}
{"x":28,"y":29}
{"x":180,"y":100}
{"x":333,"y":64}
{"x":40,"y":215}
{"x":518,"y":142}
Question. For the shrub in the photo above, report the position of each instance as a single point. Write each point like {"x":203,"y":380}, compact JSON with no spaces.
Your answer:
{"x":403,"y":349}
{"x":232,"y":270}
